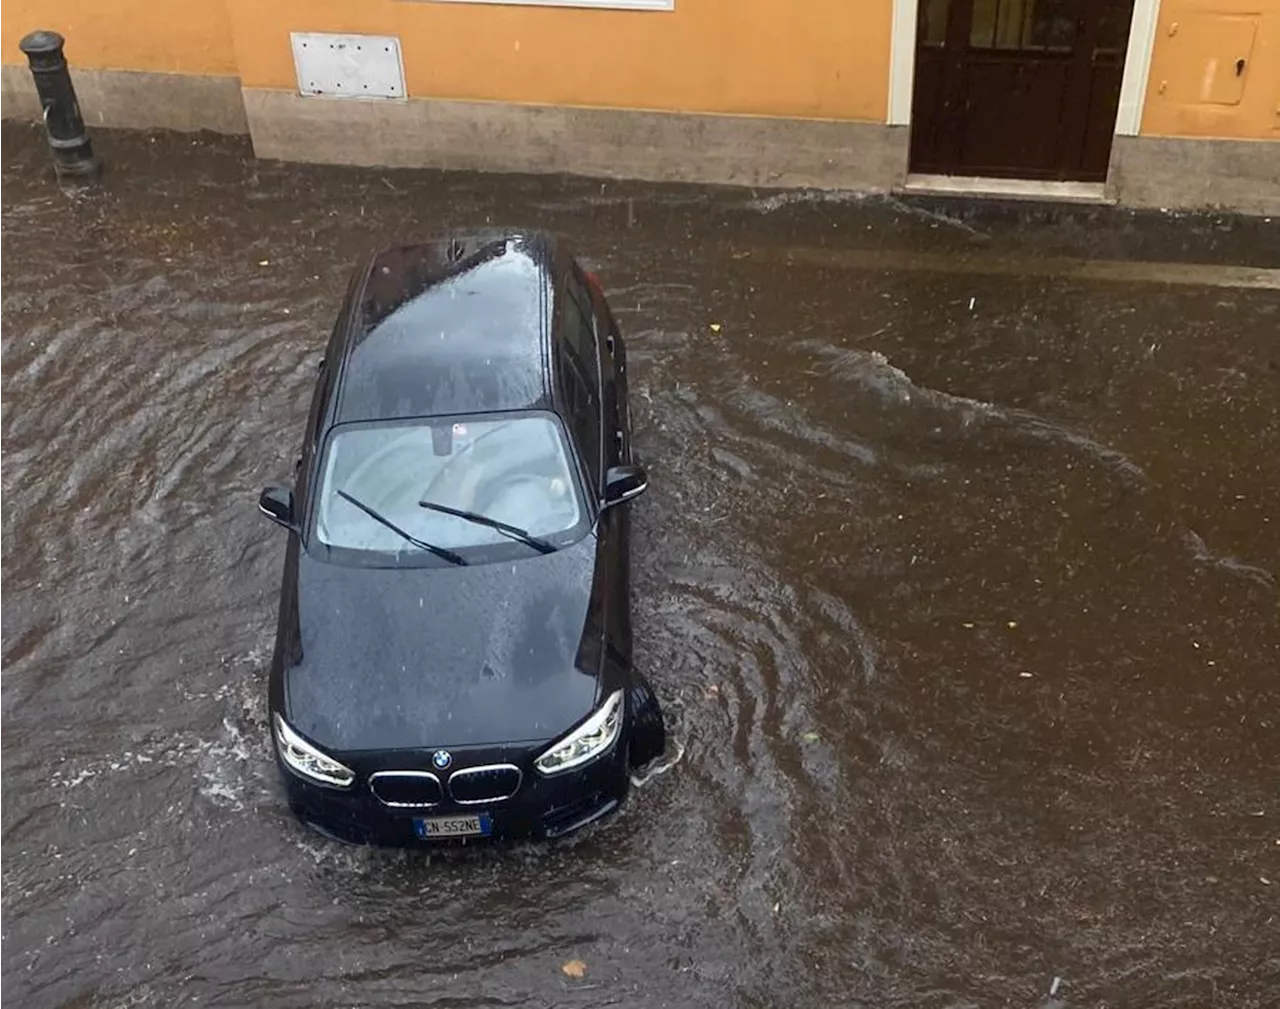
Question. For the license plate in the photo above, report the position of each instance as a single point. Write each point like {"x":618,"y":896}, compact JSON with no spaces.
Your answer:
{"x":430,"y":827}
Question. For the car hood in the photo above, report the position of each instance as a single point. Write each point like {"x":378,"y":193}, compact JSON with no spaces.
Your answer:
{"x":405,"y":658}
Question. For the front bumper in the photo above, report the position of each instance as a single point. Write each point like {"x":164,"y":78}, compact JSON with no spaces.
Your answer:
{"x":543,"y":807}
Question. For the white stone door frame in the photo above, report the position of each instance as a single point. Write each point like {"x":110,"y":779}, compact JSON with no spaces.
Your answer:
{"x":1133,"y":87}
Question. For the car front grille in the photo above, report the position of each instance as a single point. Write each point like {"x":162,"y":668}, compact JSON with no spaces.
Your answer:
{"x":403,"y":789}
{"x":471,"y":786}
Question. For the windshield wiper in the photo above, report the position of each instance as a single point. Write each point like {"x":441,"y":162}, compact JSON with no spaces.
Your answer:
{"x":514,"y":532}
{"x":442,"y":552}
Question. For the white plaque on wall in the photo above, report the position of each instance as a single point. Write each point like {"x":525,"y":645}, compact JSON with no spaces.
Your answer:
{"x":348,"y":66}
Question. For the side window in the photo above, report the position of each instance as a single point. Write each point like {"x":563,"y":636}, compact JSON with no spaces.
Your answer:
{"x":580,"y":379}
{"x":581,"y":334}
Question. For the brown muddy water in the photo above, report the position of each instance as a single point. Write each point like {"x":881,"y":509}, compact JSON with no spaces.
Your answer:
{"x":957,"y":579}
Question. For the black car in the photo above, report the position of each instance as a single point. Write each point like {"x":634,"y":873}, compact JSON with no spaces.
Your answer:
{"x":453,"y":651}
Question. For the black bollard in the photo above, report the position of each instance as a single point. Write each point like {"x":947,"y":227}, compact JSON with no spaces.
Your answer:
{"x":73,"y":156}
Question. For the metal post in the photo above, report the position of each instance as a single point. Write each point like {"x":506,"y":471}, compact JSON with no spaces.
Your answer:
{"x":73,"y":155}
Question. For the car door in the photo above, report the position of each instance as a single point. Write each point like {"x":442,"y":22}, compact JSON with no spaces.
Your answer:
{"x":596,"y":432}
{"x":613,"y":369}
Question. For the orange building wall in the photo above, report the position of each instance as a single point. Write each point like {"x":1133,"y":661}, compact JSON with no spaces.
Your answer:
{"x":192,"y":37}
{"x":826,"y":59}
{"x":816,"y":58}
{"x":1193,"y":89}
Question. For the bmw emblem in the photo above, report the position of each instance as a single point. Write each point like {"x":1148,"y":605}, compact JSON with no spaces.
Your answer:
{"x":442,"y":759}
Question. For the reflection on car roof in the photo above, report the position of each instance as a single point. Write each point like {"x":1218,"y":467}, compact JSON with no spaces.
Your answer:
{"x":449,"y":327}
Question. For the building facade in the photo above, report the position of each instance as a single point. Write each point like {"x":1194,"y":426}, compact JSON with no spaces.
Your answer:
{"x":1171,"y":103}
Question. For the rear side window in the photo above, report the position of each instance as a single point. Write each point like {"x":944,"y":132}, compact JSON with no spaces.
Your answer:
{"x":580,"y":379}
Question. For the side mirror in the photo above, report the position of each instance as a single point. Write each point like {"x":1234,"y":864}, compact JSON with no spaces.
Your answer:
{"x":276,"y":503}
{"x":622,"y":483}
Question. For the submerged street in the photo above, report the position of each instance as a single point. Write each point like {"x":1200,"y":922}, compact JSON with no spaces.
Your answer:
{"x":956,"y":578}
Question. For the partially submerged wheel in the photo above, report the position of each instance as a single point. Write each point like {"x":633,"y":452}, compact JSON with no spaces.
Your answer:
{"x":648,"y":734}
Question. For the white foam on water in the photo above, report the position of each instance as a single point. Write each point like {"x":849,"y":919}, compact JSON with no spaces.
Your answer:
{"x":790,"y":197}
{"x":659,"y":767}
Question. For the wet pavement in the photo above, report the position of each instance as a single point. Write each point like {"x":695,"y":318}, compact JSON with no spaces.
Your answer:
{"x":956,"y":577}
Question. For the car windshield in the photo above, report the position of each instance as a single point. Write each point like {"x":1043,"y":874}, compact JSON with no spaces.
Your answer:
{"x":511,"y":469}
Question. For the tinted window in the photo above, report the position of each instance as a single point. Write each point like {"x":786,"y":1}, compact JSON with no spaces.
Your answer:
{"x":580,"y":379}
{"x":581,"y":335}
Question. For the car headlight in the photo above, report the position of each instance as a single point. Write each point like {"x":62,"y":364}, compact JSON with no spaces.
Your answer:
{"x":590,"y":739}
{"x":309,"y":762}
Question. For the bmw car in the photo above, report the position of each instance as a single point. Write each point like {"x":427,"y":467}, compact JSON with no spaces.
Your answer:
{"x":453,"y":648}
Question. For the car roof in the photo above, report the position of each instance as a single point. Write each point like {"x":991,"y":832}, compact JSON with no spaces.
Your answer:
{"x":454,"y":325}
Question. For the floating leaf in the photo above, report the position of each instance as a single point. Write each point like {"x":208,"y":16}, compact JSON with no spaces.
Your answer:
{"x":715,"y":327}
{"x":575,"y":969}
{"x":810,"y":737}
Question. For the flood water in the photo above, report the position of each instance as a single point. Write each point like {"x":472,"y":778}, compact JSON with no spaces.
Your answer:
{"x":956,"y":578}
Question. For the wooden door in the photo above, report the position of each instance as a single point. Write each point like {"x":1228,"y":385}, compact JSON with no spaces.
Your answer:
{"x":1018,"y":88}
